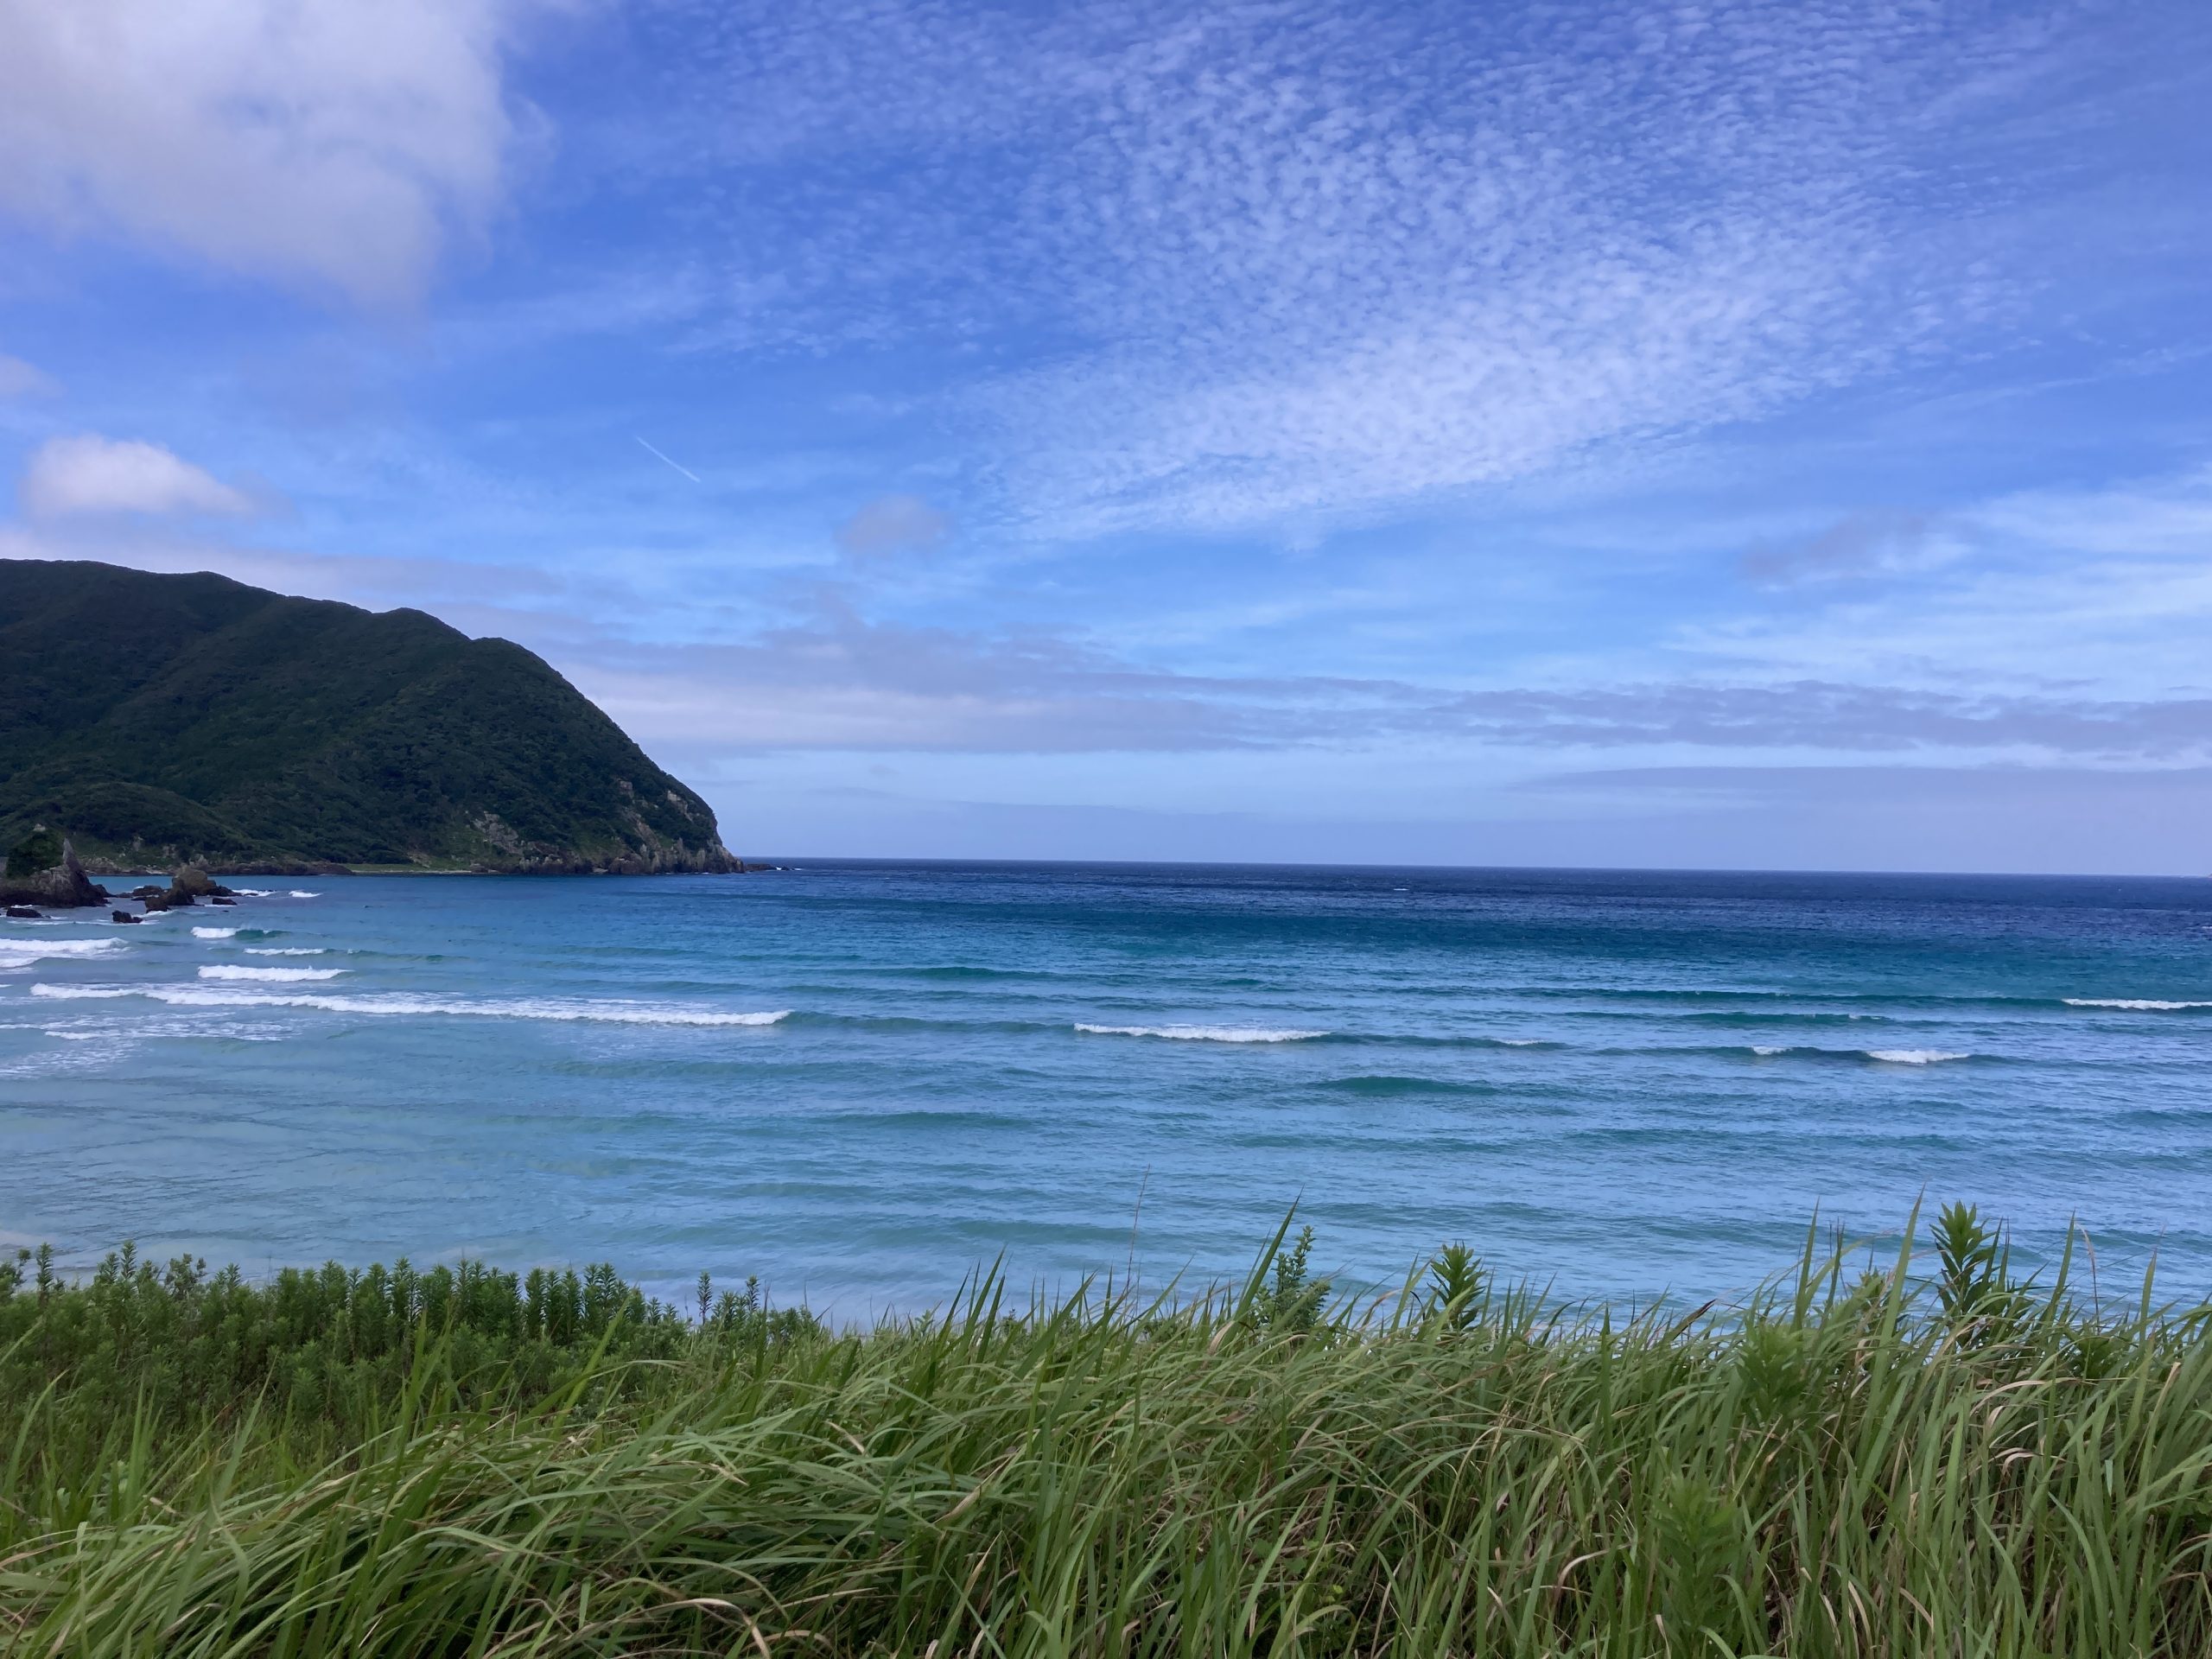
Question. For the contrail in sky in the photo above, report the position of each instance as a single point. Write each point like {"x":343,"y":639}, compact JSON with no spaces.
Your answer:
{"x":686,"y":471}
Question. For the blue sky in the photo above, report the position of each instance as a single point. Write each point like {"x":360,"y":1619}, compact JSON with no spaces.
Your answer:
{"x":1737,"y":435}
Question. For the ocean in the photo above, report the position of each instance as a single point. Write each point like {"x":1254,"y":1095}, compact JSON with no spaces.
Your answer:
{"x":862,"y":1081}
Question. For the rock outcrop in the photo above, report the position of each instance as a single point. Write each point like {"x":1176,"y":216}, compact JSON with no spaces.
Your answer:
{"x":43,"y":869}
{"x":188,"y":886}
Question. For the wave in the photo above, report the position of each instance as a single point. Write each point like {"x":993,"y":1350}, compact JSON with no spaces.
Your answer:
{"x":22,"y":953}
{"x":285,"y":950}
{"x":2138,"y":1004}
{"x":1814,"y":1052}
{"x":214,"y":932}
{"x":960,"y":971}
{"x":282,"y":974}
{"x":254,"y":892}
{"x":405,"y":1004}
{"x":299,"y":893}
{"x":1726,"y":1006}
{"x":1746,"y":1017}
{"x":1207,"y":1033}
{"x":1387,"y":1084}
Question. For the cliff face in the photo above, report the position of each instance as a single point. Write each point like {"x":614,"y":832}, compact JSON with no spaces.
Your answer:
{"x":163,"y":721}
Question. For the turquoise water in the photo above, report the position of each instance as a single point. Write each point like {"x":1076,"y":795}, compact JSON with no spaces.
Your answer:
{"x":859,"y":1079}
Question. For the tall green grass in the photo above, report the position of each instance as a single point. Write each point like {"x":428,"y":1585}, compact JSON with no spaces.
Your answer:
{"x":1895,"y":1463}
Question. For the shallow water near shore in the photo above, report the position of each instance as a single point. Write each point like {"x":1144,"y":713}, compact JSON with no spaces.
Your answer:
{"x":858,"y":1080}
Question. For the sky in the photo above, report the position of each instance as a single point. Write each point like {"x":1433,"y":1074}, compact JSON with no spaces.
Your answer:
{"x":1734,"y":434}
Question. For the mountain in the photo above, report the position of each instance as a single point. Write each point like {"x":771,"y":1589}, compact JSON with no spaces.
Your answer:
{"x":159,"y":719}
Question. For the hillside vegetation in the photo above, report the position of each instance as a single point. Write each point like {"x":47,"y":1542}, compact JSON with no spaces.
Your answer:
{"x":1926,"y":1460}
{"x":161,"y":720}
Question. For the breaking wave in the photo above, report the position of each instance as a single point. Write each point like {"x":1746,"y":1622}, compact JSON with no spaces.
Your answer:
{"x":270,"y":973}
{"x":405,"y":1004}
{"x":23,"y":952}
{"x":1886,"y":1056}
{"x":1207,"y":1033}
{"x":2139,"y":1004}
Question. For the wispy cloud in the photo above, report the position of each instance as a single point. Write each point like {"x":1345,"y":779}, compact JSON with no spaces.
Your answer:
{"x":893,"y":524}
{"x":841,"y":682}
{"x":22,"y":379}
{"x":2109,"y":586}
{"x":1859,"y":543}
{"x":1307,"y":259}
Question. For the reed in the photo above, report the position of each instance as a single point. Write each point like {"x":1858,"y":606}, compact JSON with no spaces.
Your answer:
{"x":1878,"y":1463}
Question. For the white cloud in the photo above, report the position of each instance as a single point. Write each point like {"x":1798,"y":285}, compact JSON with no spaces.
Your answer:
{"x":316,"y":141}
{"x":2110,"y":588}
{"x":70,"y":477}
{"x":22,"y":379}
{"x":838,"y":681}
{"x":893,"y":524}
{"x":1297,"y":262}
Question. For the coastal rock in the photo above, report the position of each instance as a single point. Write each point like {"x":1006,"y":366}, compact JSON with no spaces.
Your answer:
{"x":43,"y":869}
{"x":219,"y":900}
{"x":126,"y":917}
{"x":23,"y":913}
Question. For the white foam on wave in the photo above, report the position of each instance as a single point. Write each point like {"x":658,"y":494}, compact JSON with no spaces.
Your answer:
{"x":285,"y":950}
{"x":277,"y":973}
{"x":1769,"y":1050}
{"x":298,"y":894}
{"x":1206,"y":1033}
{"x":22,"y":953}
{"x":1915,"y":1056}
{"x":76,"y":1036}
{"x":254,"y":892}
{"x":214,"y":932}
{"x":2138,"y":1004}
{"x":402,"y":1002}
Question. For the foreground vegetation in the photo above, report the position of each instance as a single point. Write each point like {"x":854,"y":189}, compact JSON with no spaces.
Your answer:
{"x":1930,"y":1459}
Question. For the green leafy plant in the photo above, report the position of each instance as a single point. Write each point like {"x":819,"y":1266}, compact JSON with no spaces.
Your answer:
{"x":1292,"y":1303}
{"x":1980,"y":1300}
{"x":1458,"y":1285}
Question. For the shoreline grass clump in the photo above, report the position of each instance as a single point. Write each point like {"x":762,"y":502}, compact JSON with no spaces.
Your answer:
{"x":1853,"y":1464}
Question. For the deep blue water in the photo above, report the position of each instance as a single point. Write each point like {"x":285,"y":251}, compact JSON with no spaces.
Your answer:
{"x":1626,"y":1082}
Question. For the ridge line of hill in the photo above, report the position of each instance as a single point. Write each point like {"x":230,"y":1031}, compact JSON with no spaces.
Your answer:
{"x":163,"y":721}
